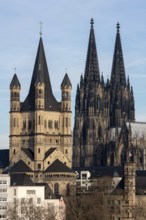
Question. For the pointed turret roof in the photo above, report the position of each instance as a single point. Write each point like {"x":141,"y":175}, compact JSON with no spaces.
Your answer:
{"x":118,"y":69}
{"x":15,"y":82}
{"x":66,"y":82}
{"x":40,"y":72}
{"x":92,"y":68}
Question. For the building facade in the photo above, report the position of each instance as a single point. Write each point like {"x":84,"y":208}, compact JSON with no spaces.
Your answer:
{"x":40,"y":128}
{"x":21,"y":199}
{"x":104,"y":127}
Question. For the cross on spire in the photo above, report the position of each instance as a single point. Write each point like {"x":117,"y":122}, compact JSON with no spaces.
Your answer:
{"x":118,"y":27}
{"x":41,"y":25}
{"x":92,"y":22}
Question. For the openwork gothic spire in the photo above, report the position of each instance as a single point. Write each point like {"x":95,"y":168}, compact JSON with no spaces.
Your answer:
{"x":92,"y":67}
{"x":118,"y":69}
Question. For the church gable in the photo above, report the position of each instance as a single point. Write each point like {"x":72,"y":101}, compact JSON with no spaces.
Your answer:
{"x":54,"y":154}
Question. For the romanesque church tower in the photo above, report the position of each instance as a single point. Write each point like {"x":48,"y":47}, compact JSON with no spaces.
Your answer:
{"x":40,"y":130}
{"x":40,"y":125}
{"x":100,"y":105}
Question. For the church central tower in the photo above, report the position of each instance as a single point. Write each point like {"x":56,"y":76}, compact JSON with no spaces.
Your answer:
{"x":40,"y":125}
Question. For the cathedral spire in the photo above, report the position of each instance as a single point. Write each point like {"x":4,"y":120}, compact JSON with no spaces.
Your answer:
{"x":92,"y":67}
{"x":118,"y":69}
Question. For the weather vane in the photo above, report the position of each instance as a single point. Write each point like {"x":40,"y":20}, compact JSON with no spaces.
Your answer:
{"x":41,"y":25}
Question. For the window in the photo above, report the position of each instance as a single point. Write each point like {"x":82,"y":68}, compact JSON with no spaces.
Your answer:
{"x":84,"y":176}
{"x":39,"y":150}
{"x":14,"y":122}
{"x":56,"y":189}
{"x":38,"y":200}
{"x":3,"y":182}
{"x":66,"y":122}
{"x":3,"y":190}
{"x":22,"y":200}
{"x":39,"y":166}
{"x":29,"y":125}
{"x":31,"y":192}
{"x":56,"y":124}
{"x":68,"y":189}
{"x":39,"y":120}
{"x":50,"y":124}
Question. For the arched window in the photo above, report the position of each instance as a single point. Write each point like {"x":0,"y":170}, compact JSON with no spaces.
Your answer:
{"x":68,"y":189}
{"x":98,"y":103}
{"x":56,"y":189}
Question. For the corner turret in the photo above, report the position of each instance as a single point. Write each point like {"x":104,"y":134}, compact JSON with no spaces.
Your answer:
{"x":14,"y":116}
{"x":15,"y":88}
{"x":66,"y":88}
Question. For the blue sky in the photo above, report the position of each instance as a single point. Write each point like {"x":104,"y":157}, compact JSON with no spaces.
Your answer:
{"x":66,"y":26}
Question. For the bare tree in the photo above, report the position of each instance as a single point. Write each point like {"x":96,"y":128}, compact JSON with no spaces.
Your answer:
{"x":87,"y":207}
{"x":28,"y":211}
{"x":140,"y":210}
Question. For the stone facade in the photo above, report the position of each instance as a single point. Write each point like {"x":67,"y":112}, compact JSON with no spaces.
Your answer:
{"x":105,"y":114}
{"x":40,"y":127}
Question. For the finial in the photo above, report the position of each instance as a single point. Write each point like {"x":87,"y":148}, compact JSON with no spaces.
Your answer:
{"x":118,"y":27}
{"x":41,"y":24}
{"x":15,"y":70}
{"x":92,"y":23}
{"x":66,"y":70}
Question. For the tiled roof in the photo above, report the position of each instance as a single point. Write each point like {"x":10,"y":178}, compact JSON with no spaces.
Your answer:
{"x":97,"y":172}
{"x":15,"y":82}
{"x":29,"y":153}
{"x":138,"y":130}
{"x":119,"y":190}
{"x":21,"y":180}
{"x":49,"y":152}
{"x":4,"y":158}
{"x":20,"y":167}
{"x":66,"y":81}
{"x":58,"y":167}
{"x":51,"y":103}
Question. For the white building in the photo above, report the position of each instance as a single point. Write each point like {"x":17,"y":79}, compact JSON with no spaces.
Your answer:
{"x":22,"y":197}
{"x":4,"y":188}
